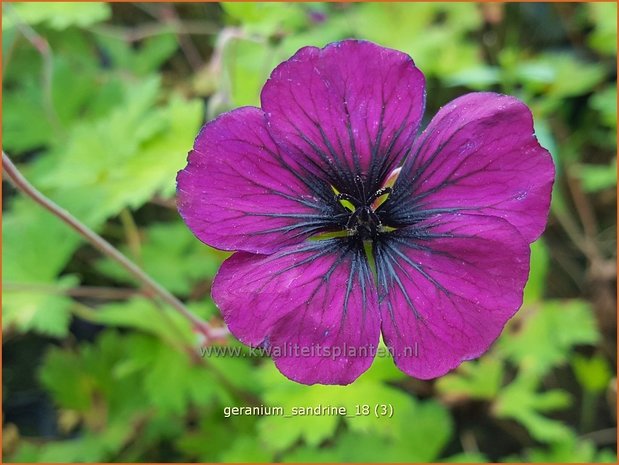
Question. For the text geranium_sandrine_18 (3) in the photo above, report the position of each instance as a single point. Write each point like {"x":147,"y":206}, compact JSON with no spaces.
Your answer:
{"x":347,"y":224}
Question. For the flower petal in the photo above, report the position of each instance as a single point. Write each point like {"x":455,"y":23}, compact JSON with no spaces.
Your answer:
{"x":478,"y":155}
{"x":312,"y":306}
{"x":237,"y":193}
{"x":447,"y":288}
{"x":351,"y":108}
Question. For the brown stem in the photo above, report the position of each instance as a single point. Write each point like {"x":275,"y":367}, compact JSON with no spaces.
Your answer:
{"x":18,"y":180}
{"x":603,"y":437}
{"x":168,"y":16}
{"x":163,"y":202}
{"x":154,"y":29}
{"x":586,"y":215}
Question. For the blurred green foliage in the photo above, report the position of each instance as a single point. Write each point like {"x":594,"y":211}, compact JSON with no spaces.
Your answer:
{"x":101,"y":104}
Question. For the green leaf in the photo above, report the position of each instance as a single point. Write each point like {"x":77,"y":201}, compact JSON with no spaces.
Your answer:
{"x":57,"y":15}
{"x":247,"y":65}
{"x":480,"y":379}
{"x":174,"y":339}
{"x":466,"y":457}
{"x":423,"y":439}
{"x":85,"y":380}
{"x":480,"y":77}
{"x":424,"y":31}
{"x":245,"y":449}
{"x":32,"y":293}
{"x":355,"y":447}
{"x":596,"y":178}
{"x":234,"y":438}
{"x":37,"y":117}
{"x":146,"y":58}
{"x":267,"y":18}
{"x":141,"y":314}
{"x":171,"y":381}
{"x":547,"y":335}
{"x":521,"y":402}
{"x":85,"y":449}
{"x":102,"y":445}
{"x":162,"y":386}
{"x":605,"y":102}
{"x":352,"y":448}
{"x":45,"y":313}
{"x":568,"y":450}
{"x":534,"y":290}
{"x":24,"y":125}
{"x":593,"y":373}
{"x":123,"y":159}
{"x":26,"y":452}
{"x":604,"y":36}
{"x":280,"y":433}
{"x":559,"y":75}
{"x":334,"y":28}
{"x":62,"y":376}
{"x":120,"y":376}
{"x":547,"y":140}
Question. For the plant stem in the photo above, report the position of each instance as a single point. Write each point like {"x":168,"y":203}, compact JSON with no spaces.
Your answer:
{"x":22,"y":184}
{"x":91,"y":292}
{"x":587,"y":411}
{"x":132,"y":234}
{"x":135,"y":34}
{"x":42,"y":47}
{"x":169,"y":16}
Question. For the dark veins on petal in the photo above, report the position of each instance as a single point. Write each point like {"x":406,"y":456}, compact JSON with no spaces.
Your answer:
{"x":327,"y":170}
{"x":334,"y":181}
{"x":350,"y":203}
{"x":334,"y":167}
{"x":346,"y":251}
{"x":406,"y":206}
{"x":391,"y":263}
{"x":355,"y":208}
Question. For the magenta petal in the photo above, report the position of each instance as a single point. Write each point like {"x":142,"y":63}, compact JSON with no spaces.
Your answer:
{"x":448,"y":290}
{"x":236,"y":193}
{"x":479,"y":155}
{"x":312,"y":306}
{"x":351,"y":107}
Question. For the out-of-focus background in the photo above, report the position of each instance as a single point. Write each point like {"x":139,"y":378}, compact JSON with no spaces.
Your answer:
{"x":101,"y":103}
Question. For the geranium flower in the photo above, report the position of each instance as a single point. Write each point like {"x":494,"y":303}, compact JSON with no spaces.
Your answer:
{"x":345,"y":225}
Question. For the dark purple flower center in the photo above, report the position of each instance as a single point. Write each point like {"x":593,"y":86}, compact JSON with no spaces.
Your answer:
{"x":363,"y":220}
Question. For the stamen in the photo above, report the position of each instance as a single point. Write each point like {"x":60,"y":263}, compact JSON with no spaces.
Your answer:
{"x":393,"y":177}
{"x":351,"y":223}
{"x":379,"y":193}
{"x":329,"y":235}
{"x":348,"y":198}
{"x":360,"y":186}
{"x":363,"y":220}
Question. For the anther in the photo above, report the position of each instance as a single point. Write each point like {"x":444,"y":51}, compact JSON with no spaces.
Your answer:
{"x":349,"y":198}
{"x":380,"y":192}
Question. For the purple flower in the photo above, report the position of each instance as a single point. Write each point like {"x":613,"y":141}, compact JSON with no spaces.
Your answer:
{"x":346,"y":225}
